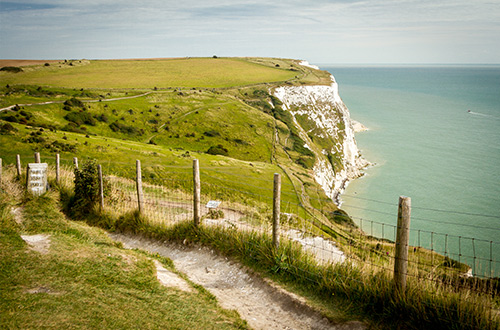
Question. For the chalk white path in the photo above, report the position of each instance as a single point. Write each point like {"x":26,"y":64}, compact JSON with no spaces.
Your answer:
{"x":261,"y":304}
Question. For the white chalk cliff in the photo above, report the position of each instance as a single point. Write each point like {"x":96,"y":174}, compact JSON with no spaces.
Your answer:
{"x":323,"y":106}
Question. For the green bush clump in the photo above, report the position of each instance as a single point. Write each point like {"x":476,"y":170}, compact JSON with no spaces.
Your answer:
{"x":72,"y":127}
{"x":211,"y":133}
{"x":86,"y":192}
{"x":130,"y":130}
{"x":13,"y":69}
{"x":102,"y":118}
{"x":218,"y":150}
{"x":7,"y":128}
{"x":80,"y":118}
{"x":74,"y":102}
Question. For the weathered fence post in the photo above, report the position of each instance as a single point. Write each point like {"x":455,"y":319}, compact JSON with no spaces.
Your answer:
{"x":140,"y":196}
{"x":58,"y":168}
{"x":402,"y":244}
{"x":37,"y":157}
{"x":196,"y":192}
{"x":75,"y":161}
{"x":18,"y":165}
{"x":101,"y":187}
{"x":0,"y":170}
{"x":276,"y":209}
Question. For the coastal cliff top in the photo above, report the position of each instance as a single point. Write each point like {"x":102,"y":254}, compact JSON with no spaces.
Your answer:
{"x":163,"y":73}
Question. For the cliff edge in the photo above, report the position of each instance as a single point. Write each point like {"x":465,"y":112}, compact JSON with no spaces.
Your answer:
{"x":324,"y":122}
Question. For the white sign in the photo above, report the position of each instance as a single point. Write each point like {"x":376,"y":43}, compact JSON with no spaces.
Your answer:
{"x":213,"y":204}
{"x":36,"y":178}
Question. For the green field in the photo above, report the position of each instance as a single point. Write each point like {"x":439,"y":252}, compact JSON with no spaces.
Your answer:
{"x":147,"y":74}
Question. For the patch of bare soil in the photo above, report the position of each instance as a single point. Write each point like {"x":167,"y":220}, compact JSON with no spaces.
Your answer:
{"x":168,"y":278}
{"x":262,"y":305}
{"x":39,"y":243}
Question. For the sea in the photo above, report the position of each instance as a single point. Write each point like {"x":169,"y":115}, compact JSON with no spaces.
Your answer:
{"x":434,"y":136}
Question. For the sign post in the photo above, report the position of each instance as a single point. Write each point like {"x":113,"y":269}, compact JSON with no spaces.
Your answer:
{"x":36,"y":178}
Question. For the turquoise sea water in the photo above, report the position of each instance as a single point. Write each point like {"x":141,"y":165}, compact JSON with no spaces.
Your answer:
{"x":428,"y":146}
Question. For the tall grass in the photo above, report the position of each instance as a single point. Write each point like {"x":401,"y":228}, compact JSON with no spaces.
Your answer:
{"x":370,"y":294}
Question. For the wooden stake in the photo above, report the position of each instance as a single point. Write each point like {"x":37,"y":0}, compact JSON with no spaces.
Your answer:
{"x":18,"y":165}
{"x":58,"y":168}
{"x":140,"y":196}
{"x":196,"y":192}
{"x":276,"y":209}
{"x":101,"y":187}
{"x":0,"y":170}
{"x":37,"y":157}
{"x":402,"y":244}
{"x":75,"y":161}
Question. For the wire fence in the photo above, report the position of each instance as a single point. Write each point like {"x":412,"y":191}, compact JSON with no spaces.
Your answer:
{"x":439,"y":258}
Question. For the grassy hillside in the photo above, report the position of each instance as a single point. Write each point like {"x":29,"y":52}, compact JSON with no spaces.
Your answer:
{"x":80,"y":279}
{"x":164,"y":112}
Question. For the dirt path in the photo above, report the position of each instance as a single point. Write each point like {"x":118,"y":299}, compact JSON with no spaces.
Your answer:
{"x":84,"y":101}
{"x":262,"y":305}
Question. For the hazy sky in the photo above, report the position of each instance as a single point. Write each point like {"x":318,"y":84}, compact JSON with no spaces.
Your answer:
{"x":322,"y":31}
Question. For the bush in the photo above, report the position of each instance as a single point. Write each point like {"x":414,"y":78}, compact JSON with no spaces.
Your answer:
{"x":13,"y":69}
{"x":80,"y":118}
{"x":86,"y":191}
{"x":7,"y":128}
{"x":217,"y":150}
{"x":74,"y":102}
{"x":211,"y":133}
{"x":72,"y":127}
{"x":130,"y":130}
{"x":102,"y":118}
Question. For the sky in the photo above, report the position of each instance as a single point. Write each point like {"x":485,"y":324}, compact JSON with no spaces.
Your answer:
{"x":319,"y":31}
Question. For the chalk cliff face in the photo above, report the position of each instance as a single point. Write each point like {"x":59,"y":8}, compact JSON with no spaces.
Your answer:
{"x":321,"y":115}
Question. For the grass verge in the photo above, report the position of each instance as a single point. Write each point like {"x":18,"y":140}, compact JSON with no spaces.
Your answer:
{"x":342,"y":291}
{"x":85,"y":280}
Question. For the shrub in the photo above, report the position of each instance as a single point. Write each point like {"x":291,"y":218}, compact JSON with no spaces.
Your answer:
{"x":13,"y":69}
{"x":211,"y":133}
{"x":71,"y":127}
{"x":7,"y":128}
{"x":80,"y":118}
{"x":74,"y":102}
{"x":11,"y":118}
{"x":102,"y":118}
{"x":130,"y":130}
{"x":86,"y":195}
{"x":217,"y":150}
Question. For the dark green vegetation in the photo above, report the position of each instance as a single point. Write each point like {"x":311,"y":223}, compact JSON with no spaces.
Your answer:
{"x":84,"y":280}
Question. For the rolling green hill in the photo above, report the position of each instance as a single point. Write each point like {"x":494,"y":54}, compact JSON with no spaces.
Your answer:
{"x":215,"y":109}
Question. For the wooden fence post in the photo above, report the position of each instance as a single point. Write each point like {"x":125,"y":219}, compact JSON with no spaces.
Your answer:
{"x":402,"y":244}
{"x":276,"y":209}
{"x":58,"y":168}
{"x":75,"y":161}
{"x":0,"y":170}
{"x":18,"y":165}
{"x":140,"y":196}
{"x":196,"y":192}
{"x":101,"y":187}
{"x":37,"y":157}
